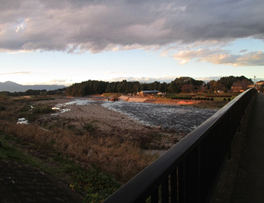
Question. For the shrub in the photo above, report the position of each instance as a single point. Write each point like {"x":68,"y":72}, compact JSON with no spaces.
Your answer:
{"x":42,"y":109}
{"x":2,"y":108}
{"x":89,"y":127}
{"x":124,"y":159}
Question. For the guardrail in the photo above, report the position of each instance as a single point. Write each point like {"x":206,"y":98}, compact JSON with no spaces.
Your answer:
{"x":188,"y":172}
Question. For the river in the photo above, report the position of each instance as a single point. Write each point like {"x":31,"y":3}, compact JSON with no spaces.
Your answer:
{"x":179,"y":118}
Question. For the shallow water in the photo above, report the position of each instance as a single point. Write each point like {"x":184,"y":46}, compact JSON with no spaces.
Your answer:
{"x":62,"y":108}
{"x":22,"y":121}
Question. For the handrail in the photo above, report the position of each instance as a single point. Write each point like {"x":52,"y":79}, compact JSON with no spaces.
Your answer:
{"x":189,"y":170}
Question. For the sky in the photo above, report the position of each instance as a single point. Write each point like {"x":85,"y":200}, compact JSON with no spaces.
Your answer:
{"x":69,"y":41}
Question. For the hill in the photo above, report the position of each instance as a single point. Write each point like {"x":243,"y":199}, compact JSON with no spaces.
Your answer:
{"x":14,"y":87}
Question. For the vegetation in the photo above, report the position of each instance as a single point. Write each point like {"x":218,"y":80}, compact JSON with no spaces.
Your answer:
{"x":79,"y":154}
{"x":79,"y":158}
{"x":225,"y":83}
{"x":179,"y":85}
{"x":33,"y":92}
{"x":92,"y":184}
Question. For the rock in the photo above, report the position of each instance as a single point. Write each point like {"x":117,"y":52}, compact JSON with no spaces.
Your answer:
{"x":90,"y":153}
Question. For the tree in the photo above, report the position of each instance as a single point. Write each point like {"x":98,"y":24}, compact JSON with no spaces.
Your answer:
{"x":163,"y":87}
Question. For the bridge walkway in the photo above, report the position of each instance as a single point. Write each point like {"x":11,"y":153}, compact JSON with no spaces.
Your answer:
{"x":249,"y":182}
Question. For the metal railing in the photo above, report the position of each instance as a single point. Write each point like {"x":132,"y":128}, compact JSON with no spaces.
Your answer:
{"x":188,"y":172}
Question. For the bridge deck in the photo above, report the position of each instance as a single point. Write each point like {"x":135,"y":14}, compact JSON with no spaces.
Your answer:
{"x":249,"y":183}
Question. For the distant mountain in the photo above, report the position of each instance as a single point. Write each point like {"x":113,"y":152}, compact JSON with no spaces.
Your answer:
{"x":14,"y":87}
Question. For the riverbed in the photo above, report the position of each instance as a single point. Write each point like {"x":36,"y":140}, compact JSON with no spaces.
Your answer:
{"x":171,"y":117}
{"x":179,"y":118}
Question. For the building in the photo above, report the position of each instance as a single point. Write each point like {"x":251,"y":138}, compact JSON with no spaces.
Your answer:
{"x":260,"y":85}
{"x":147,"y":92}
{"x":240,"y":86}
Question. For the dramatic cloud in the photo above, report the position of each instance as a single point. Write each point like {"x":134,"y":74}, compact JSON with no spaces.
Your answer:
{"x":99,"y":25}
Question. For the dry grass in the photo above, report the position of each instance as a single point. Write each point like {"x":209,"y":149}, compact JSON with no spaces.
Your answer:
{"x":112,"y":144}
{"x":123,"y":160}
{"x":115,"y":150}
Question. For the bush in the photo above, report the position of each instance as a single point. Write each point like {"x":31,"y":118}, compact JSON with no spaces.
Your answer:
{"x":42,"y":109}
{"x":2,"y":108}
{"x":125,"y":159}
{"x":89,"y":127}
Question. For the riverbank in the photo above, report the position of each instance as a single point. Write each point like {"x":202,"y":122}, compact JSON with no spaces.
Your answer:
{"x":90,"y":135}
{"x":108,"y":123}
{"x":208,"y":104}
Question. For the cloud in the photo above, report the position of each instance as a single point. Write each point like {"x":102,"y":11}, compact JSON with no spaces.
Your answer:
{"x":144,"y":79}
{"x":207,"y":79}
{"x":101,"y":25}
{"x":243,"y":50}
{"x":16,"y":73}
{"x":114,"y":72}
{"x":250,"y":59}
{"x":65,"y":82}
{"x":220,"y":56}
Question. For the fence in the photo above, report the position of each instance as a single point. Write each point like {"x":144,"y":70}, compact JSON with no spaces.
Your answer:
{"x":188,"y":172}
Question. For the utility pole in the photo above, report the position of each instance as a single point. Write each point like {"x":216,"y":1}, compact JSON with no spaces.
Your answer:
{"x":255,"y":82}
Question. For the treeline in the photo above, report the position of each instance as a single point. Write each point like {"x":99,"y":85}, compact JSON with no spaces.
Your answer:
{"x":34,"y":92}
{"x":179,"y":85}
{"x":182,"y":84}
{"x":225,"y":83}
{"x":98,"y":87}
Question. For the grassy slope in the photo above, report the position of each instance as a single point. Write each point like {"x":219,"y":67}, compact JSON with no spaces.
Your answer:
{"x":91,"y":184}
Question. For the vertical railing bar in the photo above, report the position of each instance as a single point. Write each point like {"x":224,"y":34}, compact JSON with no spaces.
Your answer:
{"x":165,"y":191}
{"x":181,"y":186}
{"x":199,"y":172}
{"x":155,"y":196}
{"x":174,"y":190}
